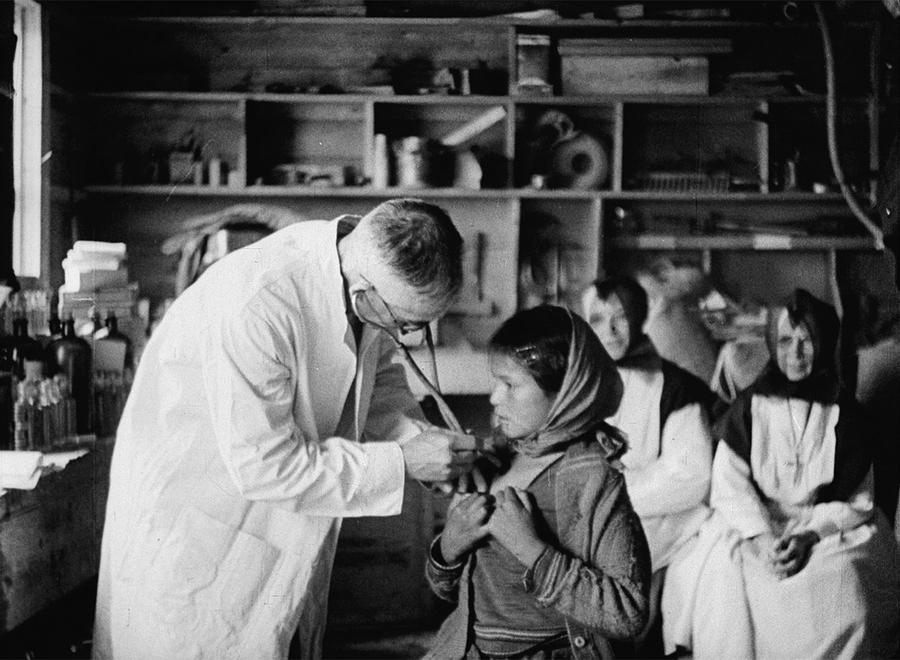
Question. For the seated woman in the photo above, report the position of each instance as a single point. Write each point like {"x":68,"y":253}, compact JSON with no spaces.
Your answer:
{"x":552,"y":560}
{"x":663,"y":414}
{"x":798,"y":563}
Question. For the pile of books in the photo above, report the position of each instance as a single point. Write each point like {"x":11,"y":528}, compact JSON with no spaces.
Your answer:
{"x":96,"y":281}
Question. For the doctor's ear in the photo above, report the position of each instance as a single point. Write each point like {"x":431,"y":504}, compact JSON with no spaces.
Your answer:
{"x":361,"y":285}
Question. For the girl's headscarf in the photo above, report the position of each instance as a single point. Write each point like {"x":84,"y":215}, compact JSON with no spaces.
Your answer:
{"x":590,"y":392}
{"x":822,"y":384}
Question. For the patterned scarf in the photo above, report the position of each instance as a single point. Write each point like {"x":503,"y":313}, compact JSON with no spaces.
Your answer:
{"x":591,"y":391}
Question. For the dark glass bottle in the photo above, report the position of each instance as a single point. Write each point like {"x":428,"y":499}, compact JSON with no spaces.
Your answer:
{"x":17,"y":347}
{"x":71,"y":355}
{"x":55,"y":326}
{"x":111,"y":333}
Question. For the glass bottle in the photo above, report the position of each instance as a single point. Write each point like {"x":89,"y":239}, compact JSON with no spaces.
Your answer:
{"x":55,"y":325}
{"x":111,"y":333}
{"x":88,"y":328}
{"x":17,"y":347}
{"x":71,"y":355}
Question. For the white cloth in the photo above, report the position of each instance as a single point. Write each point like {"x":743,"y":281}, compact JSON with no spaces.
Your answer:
{"x":23,"y":469}
{"x":844,"y":603}
{"x":227,"y":483}
{"x":667,"y":471}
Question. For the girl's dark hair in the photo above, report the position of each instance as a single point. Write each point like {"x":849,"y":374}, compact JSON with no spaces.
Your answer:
{"x":630,"y":294}
{"x":538,"y":339}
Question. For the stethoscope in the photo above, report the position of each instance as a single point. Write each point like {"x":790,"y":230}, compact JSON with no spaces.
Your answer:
{"x":432,"y":386}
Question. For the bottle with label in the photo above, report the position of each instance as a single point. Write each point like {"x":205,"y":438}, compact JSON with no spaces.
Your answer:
{"x":71,"y":355}
{"x":111,"y":333}
{"x":380,"y":164}
{"x":215,"y":171}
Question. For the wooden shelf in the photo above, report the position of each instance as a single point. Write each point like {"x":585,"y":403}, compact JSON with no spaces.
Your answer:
{"x":256,"y":132}
{"x":183,"y":97}
{"x":186,"y":189}
{"x":743,"y":242}
{"x":545,"y":24}
{"x":457,"y":99}
{"x":782,"y":197}
{"x":499,"y":193}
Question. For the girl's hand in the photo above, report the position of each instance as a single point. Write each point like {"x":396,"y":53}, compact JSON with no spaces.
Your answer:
{"x":791,"y":553}
{"x":512,"y":524}
{"x":466,"y":526}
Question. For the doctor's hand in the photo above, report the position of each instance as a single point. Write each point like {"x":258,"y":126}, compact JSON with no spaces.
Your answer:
{"x":438,"y":455}
{"x":512,"y":525}
{"x":466,"y":525}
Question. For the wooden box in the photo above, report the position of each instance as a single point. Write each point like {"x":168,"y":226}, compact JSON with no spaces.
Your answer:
{"x":633,"y":74}
{"x":637,"y":66}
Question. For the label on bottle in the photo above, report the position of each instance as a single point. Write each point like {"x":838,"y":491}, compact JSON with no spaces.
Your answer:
{"x":109,"y":356}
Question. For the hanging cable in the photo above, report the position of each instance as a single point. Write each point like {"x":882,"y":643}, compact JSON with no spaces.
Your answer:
{"x":831,"y":121}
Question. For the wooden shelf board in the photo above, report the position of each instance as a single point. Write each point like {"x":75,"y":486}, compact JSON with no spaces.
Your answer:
{"x":310,"y":191}
{"x":793,"y":197}
{"x":162,"y":95}
{"x":186,"y":189}
{"x":747,"y":242}
{"x":514,"y":21}
{"x":456,"y":99}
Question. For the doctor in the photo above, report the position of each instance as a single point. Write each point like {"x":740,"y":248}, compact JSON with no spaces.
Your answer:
{"x":241,"y":445}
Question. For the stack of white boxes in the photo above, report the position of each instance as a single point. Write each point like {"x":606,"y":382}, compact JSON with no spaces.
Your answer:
{"x":96,"y":279}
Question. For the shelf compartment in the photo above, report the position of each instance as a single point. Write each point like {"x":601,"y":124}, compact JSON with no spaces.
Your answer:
{"x":564,"y":163}
{"x":670,"y":224}
{"x":432,"y":123}
{"x":798,"y":148}
{"x":705,"y":140}
{"x":131,"y":139}
{"x":224,"y":55}
{"x":291,"y":143}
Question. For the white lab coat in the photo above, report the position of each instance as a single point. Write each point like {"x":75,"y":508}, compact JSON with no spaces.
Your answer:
{"x":228,"y":483}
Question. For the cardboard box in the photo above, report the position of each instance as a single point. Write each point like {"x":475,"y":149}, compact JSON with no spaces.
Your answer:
{"x":584,"y":73}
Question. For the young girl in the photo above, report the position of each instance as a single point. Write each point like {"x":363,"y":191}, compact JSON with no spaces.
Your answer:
{"x":552,"y":561}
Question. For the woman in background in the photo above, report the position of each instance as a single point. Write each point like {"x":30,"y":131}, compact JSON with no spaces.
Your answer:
{"x":664,"y":416}
{"x":551,"y":562}
{"x":802,"y":564}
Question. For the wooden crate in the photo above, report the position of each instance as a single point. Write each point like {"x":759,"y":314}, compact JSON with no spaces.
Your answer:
{"x":585,"y":73}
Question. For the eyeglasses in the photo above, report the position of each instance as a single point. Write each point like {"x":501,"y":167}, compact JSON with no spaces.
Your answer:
{"x":368,"y":313}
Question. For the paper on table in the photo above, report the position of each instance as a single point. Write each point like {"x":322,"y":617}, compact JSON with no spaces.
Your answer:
{"x":20,"y":469}
{"x":23,"y":469}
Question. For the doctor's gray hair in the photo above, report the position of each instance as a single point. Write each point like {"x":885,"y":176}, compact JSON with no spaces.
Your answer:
{"x":421,"y":244}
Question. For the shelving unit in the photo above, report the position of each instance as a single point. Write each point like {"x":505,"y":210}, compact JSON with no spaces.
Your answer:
{"x":171,"y":77}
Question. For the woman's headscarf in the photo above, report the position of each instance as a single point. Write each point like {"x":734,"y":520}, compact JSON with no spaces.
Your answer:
{"x":641,"y":353}
{"x":853,"y":447}
{"x":821,"y":320}
{"x":590,"y":392}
